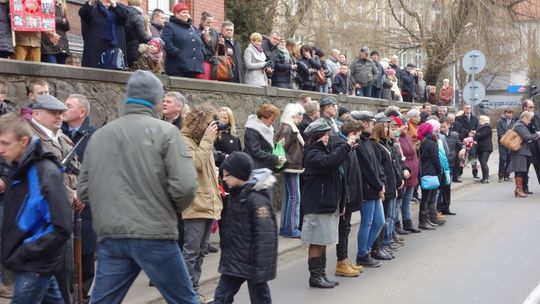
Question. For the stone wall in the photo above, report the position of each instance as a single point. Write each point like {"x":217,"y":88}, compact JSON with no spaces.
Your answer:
{"x":107,"y":90}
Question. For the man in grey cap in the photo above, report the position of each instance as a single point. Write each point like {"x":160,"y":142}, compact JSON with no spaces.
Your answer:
{"x":328,"y":114}
{"x":363,"y":73}
{"x":46,"y":122}
{"x":138,"y":176}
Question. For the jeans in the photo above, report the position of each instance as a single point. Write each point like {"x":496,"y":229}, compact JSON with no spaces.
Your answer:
{"x":406,"y":203}
{"x":121,"y":260}
{"x":376,"y":92}
{"x":54,"y":58}
{"x":228,"y":286}
{"x":372,"y":221}
{"x":290,"y":211}
{"x":196,"y":235}
{"x":504,"y":161}
{"x":36,"y":288}
{"x":323,"y":88}
{"x":483,"y":158}
{"x":364,"y":91}
{"x":390,"y":213}
{"x":344,"y":229}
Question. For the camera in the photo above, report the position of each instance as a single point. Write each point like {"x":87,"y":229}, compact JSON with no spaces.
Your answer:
{"x":221,"y":125}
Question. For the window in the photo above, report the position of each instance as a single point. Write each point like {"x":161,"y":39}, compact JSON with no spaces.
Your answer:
{"x":164,"y":5}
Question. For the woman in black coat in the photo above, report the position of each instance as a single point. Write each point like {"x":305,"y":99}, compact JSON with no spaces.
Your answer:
{"x":98,"y":33}
{"x":484,"y":146}
{"x":183,"y":45}
{"x":59,"y":51}
{"x":520,"y":160}
{"x":283,"y":67}
{"x":259,"y":137}
{"x":227,"y":141}
{"x":429,"y":166}
{"x":307,"y":67}
{"x":321,"y":195}
{"x":136,"y":32}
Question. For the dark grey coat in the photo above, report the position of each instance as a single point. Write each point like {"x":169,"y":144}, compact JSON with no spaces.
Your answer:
{"x":527,"y":137}
{"x":6,"y":40}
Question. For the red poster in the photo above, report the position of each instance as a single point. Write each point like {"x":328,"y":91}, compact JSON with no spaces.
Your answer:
{"x":32,"y":15}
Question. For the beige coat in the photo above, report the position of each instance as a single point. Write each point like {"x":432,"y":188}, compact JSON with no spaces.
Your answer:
{"x":60,"y":150}
{"x":207,"y":203}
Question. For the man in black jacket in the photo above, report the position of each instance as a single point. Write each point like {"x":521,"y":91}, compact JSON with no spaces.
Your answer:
{"x":506,"y":122}
{"x":533,"y":127}
{"x":233,"y":49}
{"x":373,"y":180}
{"x":455,"y":126}
{"x":469,"y":124}
{"x":249,"y":234}
{"x":76,"y":124}
{"x":33,"y":243}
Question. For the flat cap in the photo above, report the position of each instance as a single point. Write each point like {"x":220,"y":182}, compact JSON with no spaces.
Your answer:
{"x":410,"y":65}
{"x":363,"y":115}
{"x":328,"y":101}
{"x":317,"y":126}
{"x":380,"y":117}
{"x":48,"y":102}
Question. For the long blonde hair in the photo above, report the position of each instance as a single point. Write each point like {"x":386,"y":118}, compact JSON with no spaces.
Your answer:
{"x":232,"y":120}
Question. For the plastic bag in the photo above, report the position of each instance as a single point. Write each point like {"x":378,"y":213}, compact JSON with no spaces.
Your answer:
{"x":279,"y":151}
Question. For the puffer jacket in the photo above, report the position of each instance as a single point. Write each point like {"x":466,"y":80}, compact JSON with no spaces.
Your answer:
{"x":62,"y":47}
{"x":136,"y":33}
{"x":258,"y":143}
{"x":6,"y":40}
{"x":294,"y":146}
{"x":207,"y":203}
{"x":322,"y":182}
{"x":429,"y":158}
{"x":249,"y":238}
{"x":364,"y":72}
{"x":137,"y":182}
{"x":37,"y":214}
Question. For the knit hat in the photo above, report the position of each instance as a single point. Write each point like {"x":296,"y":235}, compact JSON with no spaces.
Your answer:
{"x":180,"y":7}
{"x":436,"y":125}
{"x":390,"y":72}
{"x":424,"y":130}
{"x":342,"y":110}
{"x":239,"y":165}
{"x":156,"y":42}
{"x":144,"y":88}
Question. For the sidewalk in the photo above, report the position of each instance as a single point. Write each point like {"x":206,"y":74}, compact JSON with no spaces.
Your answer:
{"x":141,"y":293}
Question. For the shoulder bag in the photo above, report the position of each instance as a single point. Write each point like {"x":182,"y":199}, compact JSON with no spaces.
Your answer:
{"x":511,"y":140}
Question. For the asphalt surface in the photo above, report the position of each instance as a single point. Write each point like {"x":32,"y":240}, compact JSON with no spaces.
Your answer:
{"x":487,"y":253}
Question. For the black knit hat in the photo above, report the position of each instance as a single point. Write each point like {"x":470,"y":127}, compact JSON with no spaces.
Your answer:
{"x":342,"y":110}
{"x":239,"y":165}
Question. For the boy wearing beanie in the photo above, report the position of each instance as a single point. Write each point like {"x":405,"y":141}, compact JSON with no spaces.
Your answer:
{"x":249,"y":231}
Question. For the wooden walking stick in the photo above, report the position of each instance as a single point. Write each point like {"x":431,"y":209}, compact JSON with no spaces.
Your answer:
{"x":77,"y":252}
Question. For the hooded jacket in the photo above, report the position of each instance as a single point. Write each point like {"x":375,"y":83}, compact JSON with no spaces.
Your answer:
{"x":249,"y":238}
{"x":259,"y":143}
{"x":137,"y":175}
{"x":37,"y":214}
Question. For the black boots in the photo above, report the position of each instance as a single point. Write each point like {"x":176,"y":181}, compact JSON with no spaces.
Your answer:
{"x":399,"y":230}
{"x":323,"y":267}
{"x":408,"y":225}
{"x":316,"y":278}
{"x":424,"y":222}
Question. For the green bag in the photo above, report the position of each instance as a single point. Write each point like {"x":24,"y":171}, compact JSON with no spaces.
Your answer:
{"x":280,"y":151}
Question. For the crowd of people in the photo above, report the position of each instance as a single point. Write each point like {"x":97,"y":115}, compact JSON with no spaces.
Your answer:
{"x":147,"y":190}
{"x":118,"y":36}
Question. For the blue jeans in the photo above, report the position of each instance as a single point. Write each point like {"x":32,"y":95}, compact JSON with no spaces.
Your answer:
{"x":390,"y":223}
{"x":376,"y":92}
{"x":372,"y":221}
{"x":121,"y":260}
{"x":36,"y":288}
{"x":323,"y":88}
{"x":364,"y":91}
{"x":406,"y":203}
{"x":228,"y":286}
{"x":290,"y":210}
{"x":54,"y":58}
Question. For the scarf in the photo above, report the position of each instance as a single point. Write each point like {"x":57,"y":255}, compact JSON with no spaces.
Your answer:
{"x":258,"y":48}
{"x":109,"y":29}
{"x":285,"y":53}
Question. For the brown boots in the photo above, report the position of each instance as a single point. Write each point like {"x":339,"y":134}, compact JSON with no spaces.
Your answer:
{"x":519,"y":187}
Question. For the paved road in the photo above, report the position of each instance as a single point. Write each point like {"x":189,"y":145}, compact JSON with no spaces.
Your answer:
{"x":488,"y":253}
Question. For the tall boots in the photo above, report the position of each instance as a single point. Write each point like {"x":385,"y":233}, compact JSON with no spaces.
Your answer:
{"x":433,"y":218}
{"x":519,"y":187}
{"x":316,"y":278}
{"x":423,"y":221}
{"x":323,"y":266}
{"x":408,"y":226}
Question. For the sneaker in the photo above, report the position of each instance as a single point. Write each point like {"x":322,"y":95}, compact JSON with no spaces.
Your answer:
{"x":5,"y":292}
{"x":205,"y":299}
{"x":367,"y":261}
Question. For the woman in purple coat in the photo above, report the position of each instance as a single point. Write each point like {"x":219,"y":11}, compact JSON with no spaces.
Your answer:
{"x":411,"y":162}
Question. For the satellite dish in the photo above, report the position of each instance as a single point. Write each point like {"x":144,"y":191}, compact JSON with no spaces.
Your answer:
{"x":474,"y":62}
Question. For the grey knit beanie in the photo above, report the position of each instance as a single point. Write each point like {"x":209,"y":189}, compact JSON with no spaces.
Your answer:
{"x":144,"y":88}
